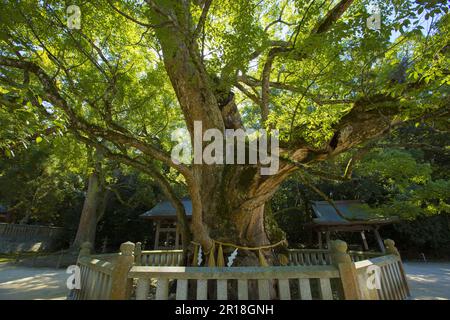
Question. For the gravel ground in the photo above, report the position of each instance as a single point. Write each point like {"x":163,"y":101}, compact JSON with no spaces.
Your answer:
{"x":23,"y":283}
{"x":426,"y":280}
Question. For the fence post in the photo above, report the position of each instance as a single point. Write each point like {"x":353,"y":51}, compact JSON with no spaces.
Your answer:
{"x":85,"y":250}
{"x":138,"y":254}
{"x":121,"y":285}
{"x":347,"y":271}
{"x":390,"y":247}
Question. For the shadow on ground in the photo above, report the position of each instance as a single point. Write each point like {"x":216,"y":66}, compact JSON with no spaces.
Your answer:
{"x":24,"y":283}
{"x":428,"y":280}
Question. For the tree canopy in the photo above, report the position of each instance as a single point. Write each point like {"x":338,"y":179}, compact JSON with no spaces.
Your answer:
{"x":137,"y":70}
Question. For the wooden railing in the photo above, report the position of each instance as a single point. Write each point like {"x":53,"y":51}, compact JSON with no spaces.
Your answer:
{"x":27,"y":232}
{"x":101,"y":279}
{"x":313,"y":257}
{"x":160,"y":258}
{"x":363,"y":255}
{"x":293,"y":282}
{"x":331,"y":275}
{"x":96,"y":279}
{"x":22,"y":237}
{"x":309,"y":257}
{"x":383,"y":278}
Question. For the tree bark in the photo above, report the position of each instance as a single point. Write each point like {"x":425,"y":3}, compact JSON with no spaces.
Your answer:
{"x":93,"y":208}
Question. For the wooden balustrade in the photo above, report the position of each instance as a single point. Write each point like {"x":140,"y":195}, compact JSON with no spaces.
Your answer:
{"x":291,"y":282}
{"x":313,"y":274}
{"x":309,"y":257}
{"x":383,"y":278}
{"x":104,"y":280}
{"x":96,"y":277}
{"x":160,"y":258}
{"x":26,"y":232}
{"x":312,"y":257}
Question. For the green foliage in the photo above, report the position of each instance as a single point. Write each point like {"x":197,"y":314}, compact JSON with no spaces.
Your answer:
{"x":405,"y":175}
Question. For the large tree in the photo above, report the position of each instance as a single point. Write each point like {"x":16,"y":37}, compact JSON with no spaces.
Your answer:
{"x":137,"y":70}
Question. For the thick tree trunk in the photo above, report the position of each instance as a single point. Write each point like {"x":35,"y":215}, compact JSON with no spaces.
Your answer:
{"x":89,"y":215}
{"x":93,"y":208}
{"x":227,"y":200}
{"x":234,"y":211}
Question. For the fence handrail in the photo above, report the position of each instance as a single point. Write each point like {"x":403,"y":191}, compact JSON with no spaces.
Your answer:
{"x":160,"y":251}
{"x":97,"y":265}
{"x":367,"y":253}
{"x":224,"y":273}
{"x":379,"y":261}
{"x":29,"y":226}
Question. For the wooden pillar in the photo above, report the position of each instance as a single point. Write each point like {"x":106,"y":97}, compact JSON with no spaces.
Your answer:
{"x":138,"y":254}
{"x":379,"y":240}
{"x":347,"y":271}
{"x":319,"y":236}
{"x":177,"y":236}
{"x":85,"y":250}
{"x":392,"y":249}
{"x":121,"y":286}
{"x":363,"y":236}
{"x":328,"y":239}
{"x":158,"y":226}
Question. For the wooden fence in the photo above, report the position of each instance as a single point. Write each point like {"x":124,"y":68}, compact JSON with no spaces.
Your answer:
{"x":28,"y":232}
{"x":313,"y":257}
{"x":225,"y":283}
{"x":333,"y":274}
{"x":383,"y":278}
{"x":158,"y":258}
{"x":96,"y":279}
{"x":23,"y":237}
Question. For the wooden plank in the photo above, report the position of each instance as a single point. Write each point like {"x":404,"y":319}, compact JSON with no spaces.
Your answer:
{"x":395,"y":282}
{"x":158,"y":226}
{"x":400,"y":279}
{"x":98,"y":286}
{"x":182,"y":289}
{"x":314,"y":259}
{"x":142,"y":288}
{"x":391,"y":292}
{"x":82,"y":291}
{"x":301,"y":261}
{"x":222,"y":290}
{"x":305,"y":289}
{"x":325,"y":289}
{"x":162,"y":289}
{"x":263,"y":290}
{"x":88,"y":284}
{"x":105,"y":292}
{"x":284,"y":290}
{"x":202,"y":289}
{"x":384,"y":286}
{"x":242,"y":289}
{"x":268,"y":273}
{"x":307,"y":259}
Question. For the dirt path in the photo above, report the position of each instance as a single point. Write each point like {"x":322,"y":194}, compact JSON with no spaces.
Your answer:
{"x":428,"y":280}
{"x":22,"y":283}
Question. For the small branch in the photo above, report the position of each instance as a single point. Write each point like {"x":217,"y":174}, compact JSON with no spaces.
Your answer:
{"x":202,"y":20}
